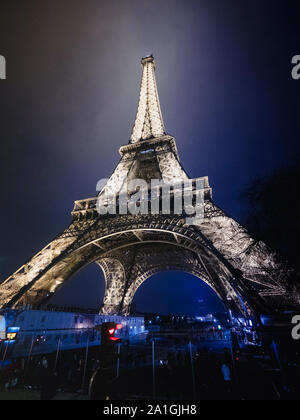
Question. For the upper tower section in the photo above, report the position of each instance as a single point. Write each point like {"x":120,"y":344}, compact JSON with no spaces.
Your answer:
{"x":148,"y":122}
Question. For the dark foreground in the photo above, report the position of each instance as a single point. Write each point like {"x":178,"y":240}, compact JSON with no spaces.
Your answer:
{"x":182,"y":371}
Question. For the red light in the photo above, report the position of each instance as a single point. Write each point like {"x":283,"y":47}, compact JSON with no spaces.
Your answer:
{"x":119,"y":326}
{"x":111,"y":331}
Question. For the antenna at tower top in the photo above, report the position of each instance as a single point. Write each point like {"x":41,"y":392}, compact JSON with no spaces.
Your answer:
{"x":148,"y":59}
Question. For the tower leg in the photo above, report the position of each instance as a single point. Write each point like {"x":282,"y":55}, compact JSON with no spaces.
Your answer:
{"x":114,"y":285}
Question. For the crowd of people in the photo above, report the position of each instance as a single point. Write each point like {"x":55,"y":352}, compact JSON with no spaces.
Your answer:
{"x":71,"y":371}
{"x":49,"y":374}
{"x":180,"y":373}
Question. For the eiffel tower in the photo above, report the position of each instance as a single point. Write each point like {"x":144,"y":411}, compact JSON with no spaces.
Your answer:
{"x":247,"y":276}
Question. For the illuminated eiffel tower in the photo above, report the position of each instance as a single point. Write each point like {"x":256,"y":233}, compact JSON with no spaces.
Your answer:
{"x":246,"y":275}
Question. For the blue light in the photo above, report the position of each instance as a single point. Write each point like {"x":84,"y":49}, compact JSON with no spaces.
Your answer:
{"x":13,"y":329}
{"x":147,"y":151}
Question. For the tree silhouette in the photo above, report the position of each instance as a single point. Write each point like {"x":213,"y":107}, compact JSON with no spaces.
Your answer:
{"x":274,"y":209}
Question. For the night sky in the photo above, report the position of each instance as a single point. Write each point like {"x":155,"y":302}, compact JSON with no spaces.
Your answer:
{"x":70,"y":98}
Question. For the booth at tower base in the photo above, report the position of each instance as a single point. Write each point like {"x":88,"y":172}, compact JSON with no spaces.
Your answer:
{"x":24,"y":332}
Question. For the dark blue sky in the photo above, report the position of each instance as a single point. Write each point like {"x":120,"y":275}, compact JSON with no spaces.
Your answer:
{"x":69,"y":102}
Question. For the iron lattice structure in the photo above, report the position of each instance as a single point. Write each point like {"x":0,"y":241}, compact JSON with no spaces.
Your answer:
{"x":248,"y":276}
